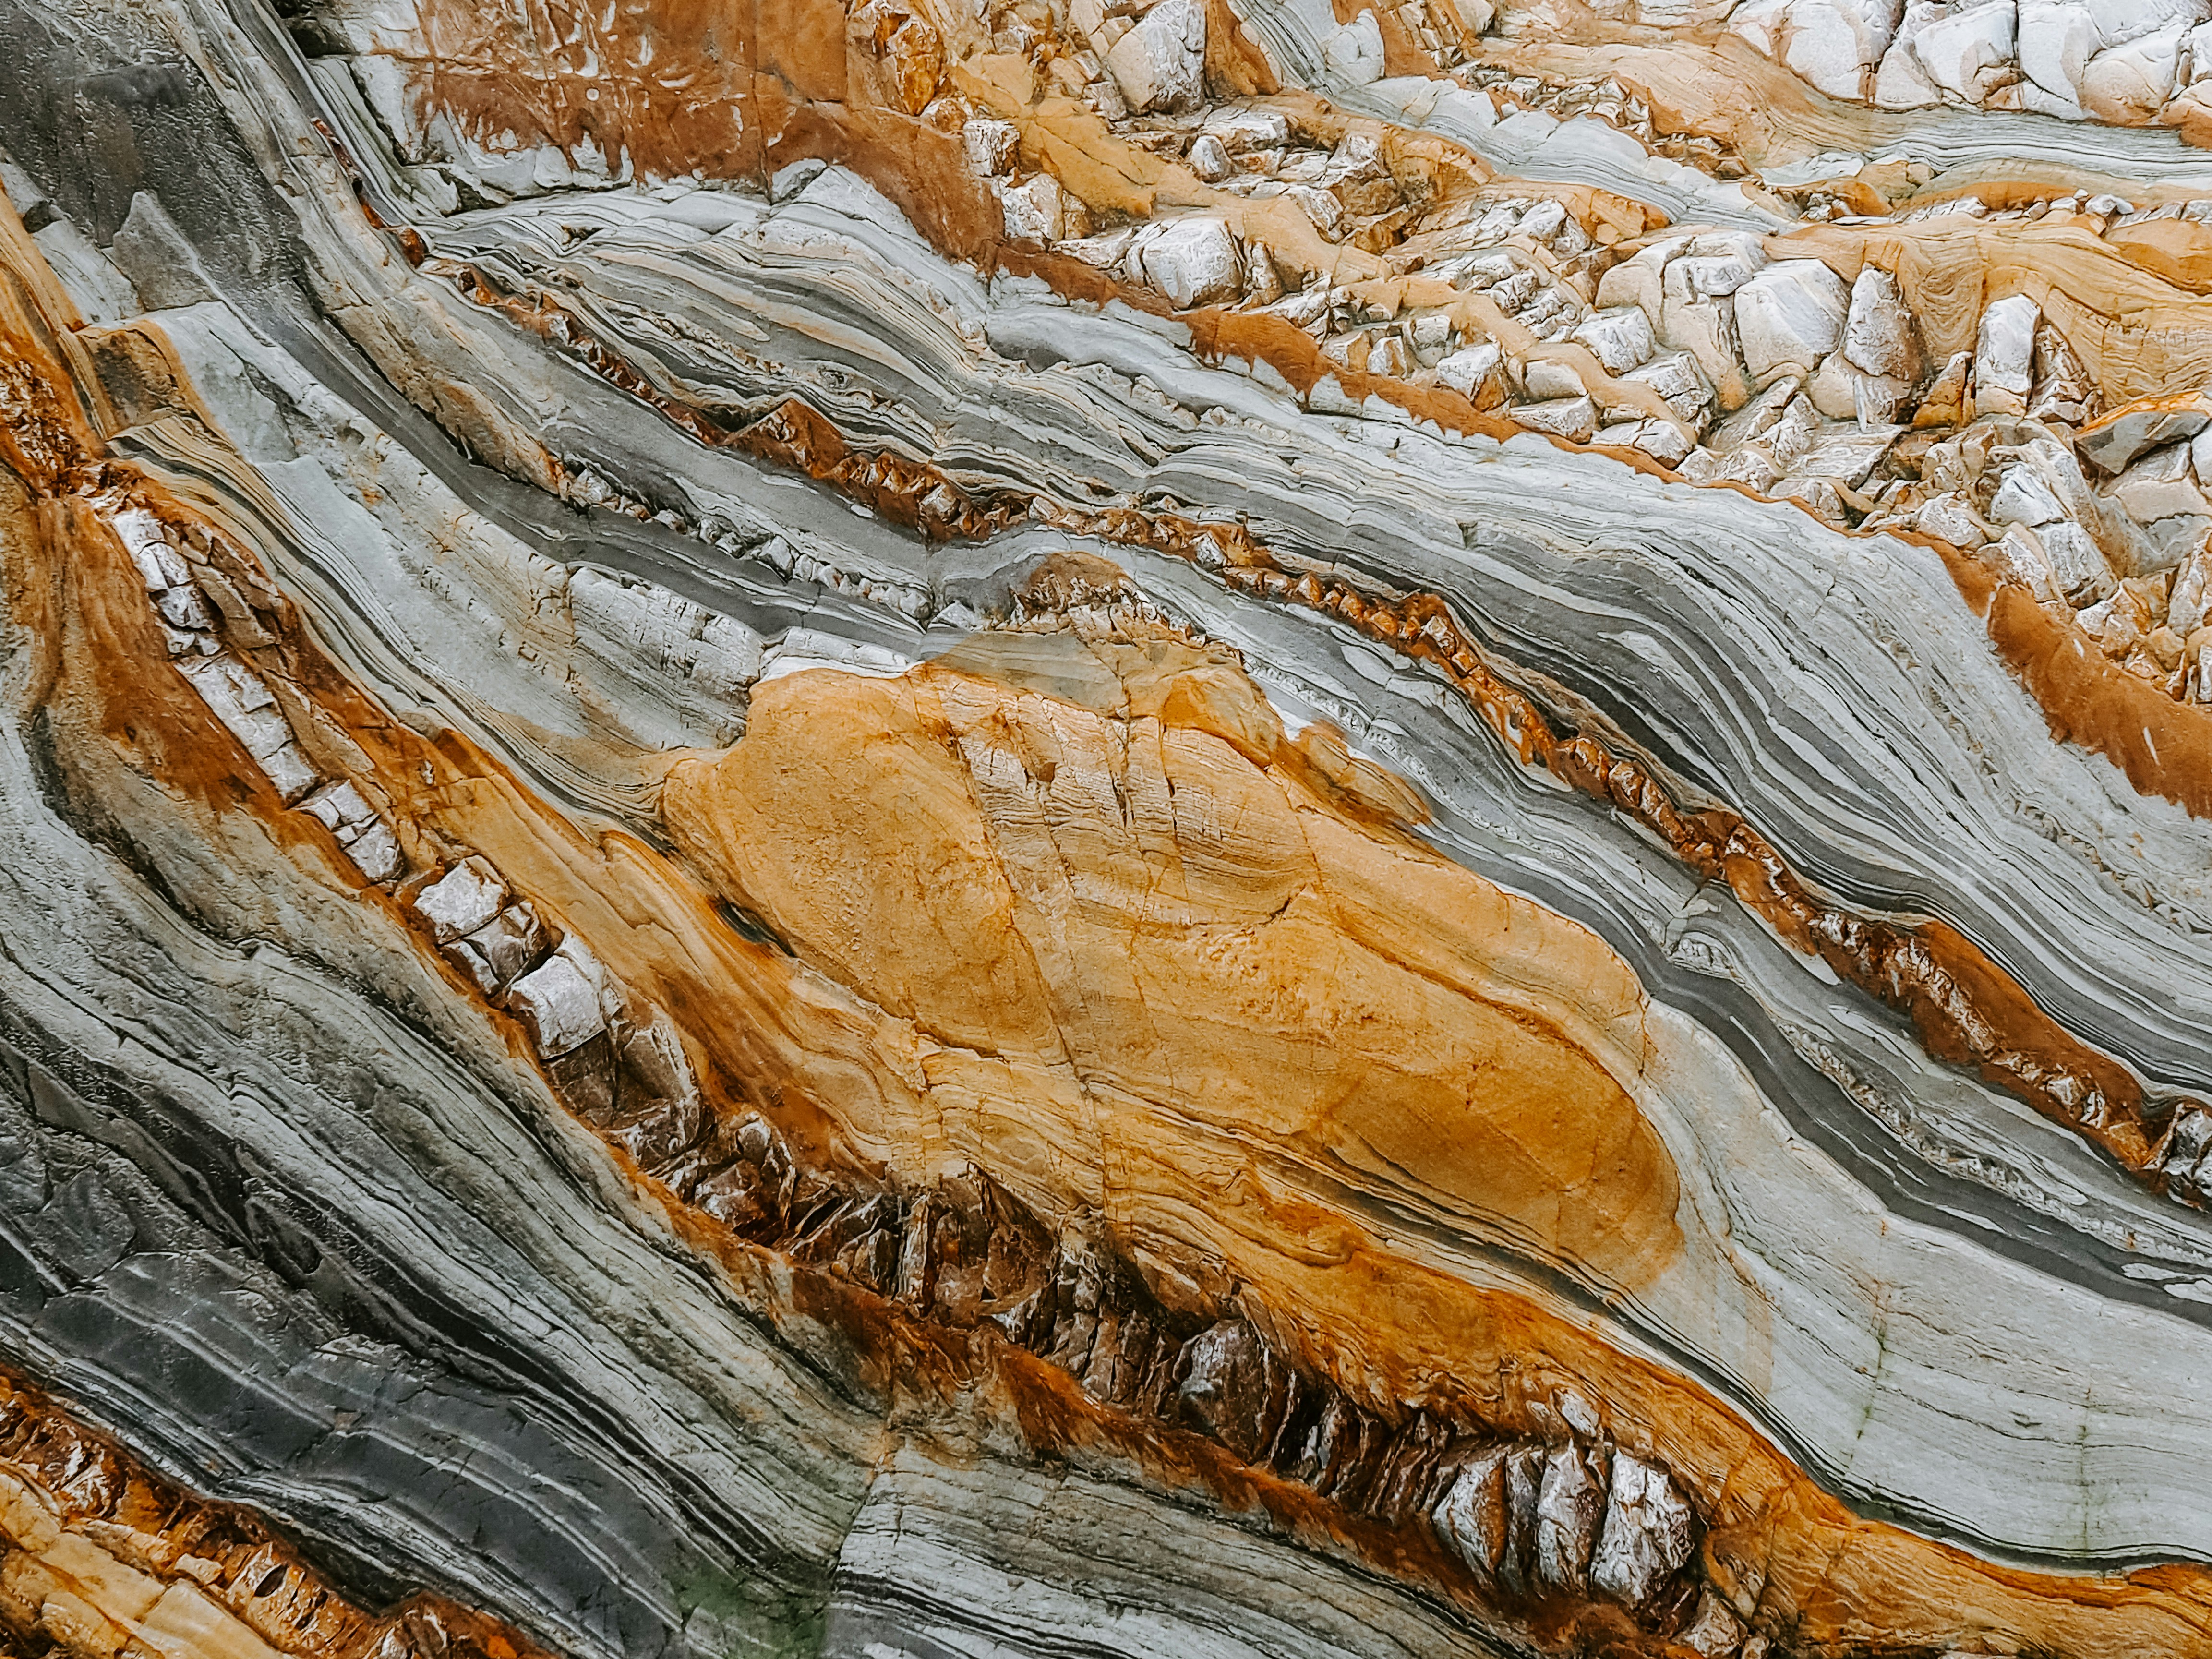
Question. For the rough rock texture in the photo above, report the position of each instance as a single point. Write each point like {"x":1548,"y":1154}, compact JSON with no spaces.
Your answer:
{"x":1186,"y":827}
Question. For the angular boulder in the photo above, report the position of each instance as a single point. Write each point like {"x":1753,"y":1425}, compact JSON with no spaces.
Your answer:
{"x":2004,"y":356}
{"x":1194,"y":262}
{"x":1791,"y":315}
{"x":1160,"y":63}
{"x":1648,"y":1534}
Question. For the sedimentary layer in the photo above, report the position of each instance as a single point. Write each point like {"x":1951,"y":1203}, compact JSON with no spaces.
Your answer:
{"x":1145,"y":828}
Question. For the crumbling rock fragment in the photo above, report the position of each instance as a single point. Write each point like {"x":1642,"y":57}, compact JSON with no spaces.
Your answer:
{"x":1569,"y":1504}
{"x":1160,"y":63}
{"x":1649,"y":1532}
{"x":558,"y":1004}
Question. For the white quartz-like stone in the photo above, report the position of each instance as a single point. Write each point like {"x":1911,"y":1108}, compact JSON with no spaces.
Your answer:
{"x":1160,"y":64}
{"x":1649,"y":1532}
{"x":2004,"y":353}
{"x":1573,"y":418}
{"x":1036,"y":210}
{"x":1964,"y":52}
{"x":991,"y":145}
{"x":1194,"y":262}
{"x":1790,"y":315}
{"x":1466,"y":370}
{"x":462,"y":900}
{"x":2160,"y":485}
{"x":1620,"y":338}
{"x":1353,"y":53}
{"x":557,"y":1004}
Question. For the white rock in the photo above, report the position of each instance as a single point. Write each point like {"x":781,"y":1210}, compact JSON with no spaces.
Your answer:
{"x":2004,"y":356}
{"x":1698,"y":312}
{"x":2132,"y":81}
{"x":1878,"y":327}
{"x":1663,"y":441}
{"x":2018,"y":556}
{"x":1790,"y":315}
{"x":1242,"y":130}
{"x":1639,"y":280}
{"x":462,"y":900}
{"x":1388,"y":355}
{"x":1209,"y":158}
{"x":1952,"y":517}
{"x":2113,"y":443}
{"x":1714,"y":1631}
{"x":1788,"y":438}
{"x":991,"y":146}
{"x":1715,"y":264}
{"x":2198,"y":48}
{"x":1845,"y":457}
{"x":1966,"y":53}
{"x":338,"y":805}
{"x":1471,"y":1516}
{"x":1546,"y":380}
{"x":1194,"y":262}
{"x":1569,"y":1506}
{"x":1674,"y":377}
{"x":1664,"y":13}
{"x":1843,"y":393}
{"x":1834,"y":44}
{"x":793,"y":176}
{"x":182,"y":606}
{"x":376,"y":853}
{"x":2130,"y":20}
{"x":160,"y":564}
{"x":2057,"y":38}
{"x":558,"y":1005}
{"x":1705,"y":330}
{"x":2061,"y":474}
{"x":1353,"y":53}
{"x":1620,"y":338}
{"x":2192,"y":598}
{"x":2075,"y":564}
{"x":1760,"y":22}
{"x":1035,"y":212}
{"x":495,"y":953}
{"x":1466,"y":370}
{"x":287,"y":770}
{"x":2158,"y":486}
{"x":2023,"y":498}
{"x":235,"y":695}
{"x":1321,"y":206}
{"x":1161,"y":63}
{"x":1901,"y":82}
{"x":1543,"y":221}
{"x":1104,"y":251}
{"x":1649,"y":1532}
{"x":1573,"y":418}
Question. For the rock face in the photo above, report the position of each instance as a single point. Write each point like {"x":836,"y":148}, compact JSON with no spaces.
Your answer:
{"x":1129,"y":828}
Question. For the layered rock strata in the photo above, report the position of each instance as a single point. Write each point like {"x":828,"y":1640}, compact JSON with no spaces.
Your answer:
{"x":1123,"y":828}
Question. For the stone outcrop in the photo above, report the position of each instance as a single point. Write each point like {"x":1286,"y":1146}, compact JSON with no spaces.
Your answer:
{"x":1127,"y":827}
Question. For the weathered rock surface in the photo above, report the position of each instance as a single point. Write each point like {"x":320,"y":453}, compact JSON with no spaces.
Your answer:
{"x":1129,"y":828}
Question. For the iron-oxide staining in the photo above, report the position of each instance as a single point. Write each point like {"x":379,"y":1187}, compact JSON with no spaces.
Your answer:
{"x":1967,"y":1008}
{"x":898,"y":910}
